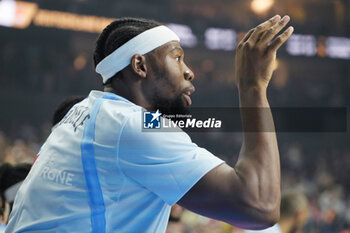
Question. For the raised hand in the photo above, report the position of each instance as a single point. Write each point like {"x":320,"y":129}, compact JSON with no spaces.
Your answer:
{"x":256,"y":53}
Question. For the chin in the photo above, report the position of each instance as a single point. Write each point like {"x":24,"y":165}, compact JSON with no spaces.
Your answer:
{"x":166,"y":106}
{"x":167,"y":110}
{"x":171,"y":107}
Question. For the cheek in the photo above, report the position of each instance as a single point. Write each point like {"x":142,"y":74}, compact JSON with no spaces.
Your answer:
{"x":171,"y":82}
{"x":168,"y":89}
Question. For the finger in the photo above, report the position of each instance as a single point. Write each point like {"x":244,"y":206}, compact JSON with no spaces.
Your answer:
{"x":272,"y":32}
{"x":262,"y":27}
{"x":278,"y":41}
{"x":246,"y":37}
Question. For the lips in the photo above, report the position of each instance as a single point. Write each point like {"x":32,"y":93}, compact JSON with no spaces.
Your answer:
{"x":188,"y":99}
{"x":187,"y":94}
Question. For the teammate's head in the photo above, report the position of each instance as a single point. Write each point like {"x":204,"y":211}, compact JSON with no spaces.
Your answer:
{"x":294,"y":209}
{"x":64,"y":107}
{"x":160,"y":77}
{"x":11,"y":177}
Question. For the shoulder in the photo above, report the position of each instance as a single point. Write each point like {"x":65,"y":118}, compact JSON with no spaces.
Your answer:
{"x":134,"y":128}
{"x":111,"y":107}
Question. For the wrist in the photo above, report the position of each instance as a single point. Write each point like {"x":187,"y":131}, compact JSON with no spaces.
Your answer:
{"x":253,"y":97}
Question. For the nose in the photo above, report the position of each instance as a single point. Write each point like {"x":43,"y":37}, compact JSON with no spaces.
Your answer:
{"x":189,"y":75}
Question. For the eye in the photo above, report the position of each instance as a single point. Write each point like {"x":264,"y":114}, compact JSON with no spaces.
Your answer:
{"x":178,"y":58}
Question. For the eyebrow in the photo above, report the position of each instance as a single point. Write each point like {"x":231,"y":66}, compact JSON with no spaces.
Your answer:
{"x":176,"y":48}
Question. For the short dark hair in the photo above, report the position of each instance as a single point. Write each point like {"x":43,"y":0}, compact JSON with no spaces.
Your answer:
{"x":11,"y":175}
{"x":118,"y":33}
{"x":64,"y":107}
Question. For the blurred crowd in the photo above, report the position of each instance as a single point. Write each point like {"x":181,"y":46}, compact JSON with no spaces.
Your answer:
{"x":322,"y":176}
{"x":40,"y":71}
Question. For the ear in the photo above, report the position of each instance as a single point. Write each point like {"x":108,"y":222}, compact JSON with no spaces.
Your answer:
{"x":138,"y":65}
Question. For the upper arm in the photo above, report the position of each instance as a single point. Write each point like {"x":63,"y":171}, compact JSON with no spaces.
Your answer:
{"x":221,"y":194}
{"x":166,"y":164}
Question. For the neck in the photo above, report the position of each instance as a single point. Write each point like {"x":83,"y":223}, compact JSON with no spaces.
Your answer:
{"x":131,"y":90}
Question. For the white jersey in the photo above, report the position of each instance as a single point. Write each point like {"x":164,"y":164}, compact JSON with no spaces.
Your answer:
{"x":274,"y":229}
{"x":98,"y":172}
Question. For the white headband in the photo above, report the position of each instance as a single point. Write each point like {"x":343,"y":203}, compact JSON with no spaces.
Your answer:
{"x":140,"y":44}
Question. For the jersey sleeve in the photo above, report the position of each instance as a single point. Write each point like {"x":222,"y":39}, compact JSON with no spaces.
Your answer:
{"x":166,"y":163}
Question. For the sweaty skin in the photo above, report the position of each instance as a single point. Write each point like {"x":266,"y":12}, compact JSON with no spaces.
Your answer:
{"x":248,"y":194}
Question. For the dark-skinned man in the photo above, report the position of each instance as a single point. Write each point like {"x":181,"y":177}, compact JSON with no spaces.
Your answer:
{"x":99,"y":172}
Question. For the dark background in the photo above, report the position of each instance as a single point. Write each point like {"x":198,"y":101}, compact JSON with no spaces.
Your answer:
{"x":40,"y":66}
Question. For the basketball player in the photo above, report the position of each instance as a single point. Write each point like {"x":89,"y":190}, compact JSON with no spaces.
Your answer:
{"x":99,"y":172}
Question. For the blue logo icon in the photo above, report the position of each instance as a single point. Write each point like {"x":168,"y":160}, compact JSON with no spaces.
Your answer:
{"x":151,"y":120}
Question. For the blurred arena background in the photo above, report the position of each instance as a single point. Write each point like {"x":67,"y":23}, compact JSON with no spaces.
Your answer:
{"x":46,"y":55}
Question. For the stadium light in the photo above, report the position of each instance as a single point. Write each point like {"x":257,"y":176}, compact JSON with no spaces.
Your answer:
{"x":261,"y":6}
{"x":16,"y":14}
{"x":338,"y":47}
{"x":305,"y":45}
{"x":220,"y":39}
{"x":187,"y":38}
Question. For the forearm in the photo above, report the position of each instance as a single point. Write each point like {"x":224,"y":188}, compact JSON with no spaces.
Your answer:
{"x":249,"y":194}
{"x":258,"y":165}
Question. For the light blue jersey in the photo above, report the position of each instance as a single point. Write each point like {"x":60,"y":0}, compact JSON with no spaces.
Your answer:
{"x":274,"y":229}
{"x":2,"y":228}
{"x":98,"y":172}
